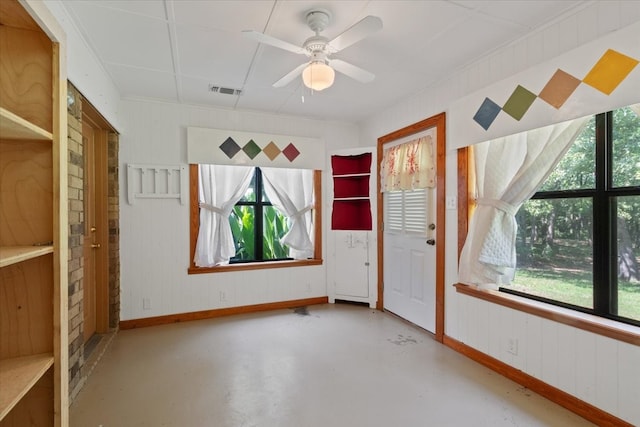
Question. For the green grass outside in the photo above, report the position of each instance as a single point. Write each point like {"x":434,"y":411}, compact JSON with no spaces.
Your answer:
{"x":566,"y":276}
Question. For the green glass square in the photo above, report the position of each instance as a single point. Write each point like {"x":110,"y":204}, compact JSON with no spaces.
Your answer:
{"x":519,"y":102}
{"x":251,"y":149}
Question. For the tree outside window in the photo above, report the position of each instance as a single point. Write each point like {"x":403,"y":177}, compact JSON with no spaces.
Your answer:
{"x":257,"y":226}
{"x":578,"y":241}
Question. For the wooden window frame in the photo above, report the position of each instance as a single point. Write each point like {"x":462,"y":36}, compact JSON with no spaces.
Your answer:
{"x":194,"y":225}
{"x":599,"y":325}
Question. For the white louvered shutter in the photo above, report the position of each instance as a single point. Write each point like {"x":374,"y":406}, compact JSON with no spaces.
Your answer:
{"x":406,"y":212}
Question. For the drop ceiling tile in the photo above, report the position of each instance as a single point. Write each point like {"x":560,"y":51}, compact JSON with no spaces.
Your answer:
{"x":232,"y":16}
{"x":120,"y":37}
{"x":136,"y":82}
{"x":219,"y":56}
{"x":152,"y":9}
{"x":526,"y":14}
{"x":256,"y":98}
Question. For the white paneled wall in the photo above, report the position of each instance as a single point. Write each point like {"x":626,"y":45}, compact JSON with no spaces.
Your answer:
{"x":596,"y":369}
{"x":154,"y":233}
{"x":599,"y":370}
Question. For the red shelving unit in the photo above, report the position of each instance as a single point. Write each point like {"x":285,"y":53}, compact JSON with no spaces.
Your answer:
{"x":351,"y":203}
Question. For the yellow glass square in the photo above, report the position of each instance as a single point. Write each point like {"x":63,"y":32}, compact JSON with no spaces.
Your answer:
{"x":612,"y":68}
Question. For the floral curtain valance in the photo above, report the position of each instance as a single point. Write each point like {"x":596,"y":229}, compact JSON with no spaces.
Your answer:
{"x":408,"y":166}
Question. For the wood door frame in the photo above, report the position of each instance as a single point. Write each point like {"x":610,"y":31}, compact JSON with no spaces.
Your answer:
{"x":439,"y":122}
{"x":101,"y":133}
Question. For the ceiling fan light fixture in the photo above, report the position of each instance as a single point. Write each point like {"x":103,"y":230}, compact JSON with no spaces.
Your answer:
{"x":318,"y":76}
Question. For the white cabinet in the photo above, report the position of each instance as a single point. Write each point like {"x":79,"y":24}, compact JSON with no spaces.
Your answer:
{"x":352,"y":248}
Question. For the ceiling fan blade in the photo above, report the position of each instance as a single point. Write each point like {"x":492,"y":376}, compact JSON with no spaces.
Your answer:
{"x":361,"y":29}
{"x":272,"y":41}
{"x":350,"y":70}
{"x":291,"y":76}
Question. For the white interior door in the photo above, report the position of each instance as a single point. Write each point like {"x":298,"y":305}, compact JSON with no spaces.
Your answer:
{"x":409,"y":256}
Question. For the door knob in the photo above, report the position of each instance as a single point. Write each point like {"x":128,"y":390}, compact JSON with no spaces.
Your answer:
{"x":431,"y":242}
{"x":95,"y":245}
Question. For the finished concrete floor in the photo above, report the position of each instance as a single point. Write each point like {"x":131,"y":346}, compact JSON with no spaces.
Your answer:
{"x":326,"y":365}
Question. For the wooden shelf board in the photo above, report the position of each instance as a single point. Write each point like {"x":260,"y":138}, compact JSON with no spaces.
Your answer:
{"x":18,"y":375}
{"x":351,"y":175}
{"x":15,"y":127}
{"x":14,"y":254}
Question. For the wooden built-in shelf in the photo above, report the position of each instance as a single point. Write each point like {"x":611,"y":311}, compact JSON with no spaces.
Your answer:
{"x":15,"y":254}
{"x":15,"y":127}
{"x":18,"y":375}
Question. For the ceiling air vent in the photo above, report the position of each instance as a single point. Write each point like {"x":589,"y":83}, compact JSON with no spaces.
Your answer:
{"x":224,"y":90}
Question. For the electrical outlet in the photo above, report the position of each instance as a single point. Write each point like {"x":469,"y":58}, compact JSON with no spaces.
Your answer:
{"x":146,"y":303}
{"x":452,"y":202}
{"x":512,"y":346}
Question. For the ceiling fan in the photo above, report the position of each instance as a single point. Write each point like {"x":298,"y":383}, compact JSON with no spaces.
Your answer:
{"x":318,"y":73}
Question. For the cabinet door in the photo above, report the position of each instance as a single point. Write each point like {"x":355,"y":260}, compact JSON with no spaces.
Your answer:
{"x":352,"y":269}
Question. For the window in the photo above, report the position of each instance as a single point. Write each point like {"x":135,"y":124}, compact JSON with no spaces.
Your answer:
{"x":251,"y":200}
{"x":257,"y":226}
{"x":578,"y":242}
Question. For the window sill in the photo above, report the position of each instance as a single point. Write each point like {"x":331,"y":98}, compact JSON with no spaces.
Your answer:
{"x":254,"y":266}
{"x":609,"y":328}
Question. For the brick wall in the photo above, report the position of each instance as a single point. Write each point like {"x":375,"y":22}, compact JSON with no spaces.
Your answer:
{"x":76,"y":225}
{"x":114,"y":230}
{"x":77,"y":375}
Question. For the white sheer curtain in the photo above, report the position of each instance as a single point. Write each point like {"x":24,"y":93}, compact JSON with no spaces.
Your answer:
{"x":220,"y":187}
{"x":508,"y":172}
{"x":291,"y":192}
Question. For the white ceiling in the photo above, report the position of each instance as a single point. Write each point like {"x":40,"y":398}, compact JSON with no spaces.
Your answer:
{"x":173,"y":50}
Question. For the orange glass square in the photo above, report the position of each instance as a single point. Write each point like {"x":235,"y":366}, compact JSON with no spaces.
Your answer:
{"x":271,"y":150}
{"x":559,"y":88}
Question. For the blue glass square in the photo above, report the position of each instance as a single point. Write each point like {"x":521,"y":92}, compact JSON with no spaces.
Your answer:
{"x":487,"y":113}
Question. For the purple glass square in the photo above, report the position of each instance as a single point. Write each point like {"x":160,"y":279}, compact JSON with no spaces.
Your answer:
{"x":291,"y":152}
{"x":487,"y":113}
{"x":230,"y":148}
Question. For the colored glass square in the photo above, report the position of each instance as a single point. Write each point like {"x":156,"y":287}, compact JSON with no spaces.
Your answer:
{"x":291,"y":152}
{"x":612,"y":68}
{"x":251,"y":149}
{"x":487,"y":113}
{"x":559,"y":88}
{"x":519,"y":102}
{"x":230,"y":148}
{"x":271,"y":150}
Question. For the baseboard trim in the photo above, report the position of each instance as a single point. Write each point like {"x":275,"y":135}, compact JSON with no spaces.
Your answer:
{"x":218,"y":312}
{"x":572,"y":403}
